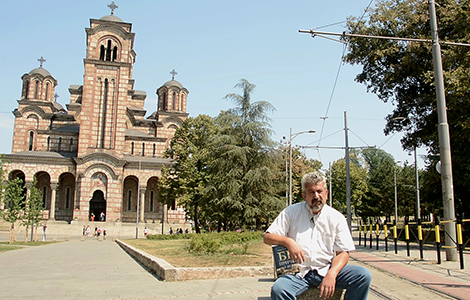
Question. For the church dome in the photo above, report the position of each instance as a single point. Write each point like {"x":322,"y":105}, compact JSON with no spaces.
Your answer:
{"x":112,"y":18}
{"x":173,"y":82}
{"x":40,"y":71}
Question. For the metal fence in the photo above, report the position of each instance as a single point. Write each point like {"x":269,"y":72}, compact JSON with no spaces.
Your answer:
{"x":423,"y":233}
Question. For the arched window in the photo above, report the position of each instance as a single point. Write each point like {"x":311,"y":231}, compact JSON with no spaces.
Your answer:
{"x":132,"y":148}
{"x":164,"y":101}
{"x":129,"y":200}
{"x":48,"y":143}
{"x":71,"y":144}
{"x":151,"y":201}
{"x":102,"y":52}
{"x":108,"y":51}
{"x":154,"y":148}
{"x":31,"y":141}
{"x":47,"y":91}
{"x":143,"y":149}
{"x":114,"y":53}
{"x":174,"y":101}
{"x":36,"y":90}
{"x":26,"y":90}
{"x":181,"y":102}
{"x":60,"y":145}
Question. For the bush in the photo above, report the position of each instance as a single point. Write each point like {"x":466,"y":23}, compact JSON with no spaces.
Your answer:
{"x":169,"y":236}
{"x":228,"y":242}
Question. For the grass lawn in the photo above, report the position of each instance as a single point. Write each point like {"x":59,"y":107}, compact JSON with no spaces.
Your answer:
{"x":5,"y":246}
{"x":175,"y":252}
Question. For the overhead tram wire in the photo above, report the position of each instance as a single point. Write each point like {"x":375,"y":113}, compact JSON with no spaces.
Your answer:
{"x":336,"y":79}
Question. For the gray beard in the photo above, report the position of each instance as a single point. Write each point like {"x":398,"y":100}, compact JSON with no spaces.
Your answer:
{"x":316,"y":207}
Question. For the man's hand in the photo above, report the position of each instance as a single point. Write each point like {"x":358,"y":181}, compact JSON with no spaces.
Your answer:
{"x":295,"y":251}
{"x":327,"y":286}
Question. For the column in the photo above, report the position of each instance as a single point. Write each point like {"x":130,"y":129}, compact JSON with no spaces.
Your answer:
{"x":54,"y":186}
{"x":142,"y":204}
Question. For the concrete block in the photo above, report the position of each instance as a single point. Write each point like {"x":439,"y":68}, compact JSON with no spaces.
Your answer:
{"x":314,"y":294}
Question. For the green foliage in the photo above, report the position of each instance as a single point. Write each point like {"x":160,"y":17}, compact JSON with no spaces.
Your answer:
{"x":226,"y":242}
{"x":159,"y":237}
{"x":402,"y":73}
{"x":245,"y":184}
{"x":358,"y":180}
{"x":14,"y":199}
{"x":187,"y":180}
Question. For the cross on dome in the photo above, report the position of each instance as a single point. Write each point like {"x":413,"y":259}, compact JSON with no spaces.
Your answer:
{"x":173,"y":73}
{"x":41,"y":61}
{"x":112,"y":6}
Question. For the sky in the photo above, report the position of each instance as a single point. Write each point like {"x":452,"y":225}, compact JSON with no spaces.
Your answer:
{"x":212,"y":45}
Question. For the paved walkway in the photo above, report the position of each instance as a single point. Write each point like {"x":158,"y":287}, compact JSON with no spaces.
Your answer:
{"x":101,"y":270}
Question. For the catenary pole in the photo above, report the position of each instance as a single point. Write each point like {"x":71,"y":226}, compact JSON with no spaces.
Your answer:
{"x":443,"y":128}
{"x":444,"y":139}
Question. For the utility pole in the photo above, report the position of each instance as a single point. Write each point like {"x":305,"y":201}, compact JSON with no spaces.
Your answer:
{"x":444,"y":139}
{"x":443,"y":127}
{"x":348,"y":179}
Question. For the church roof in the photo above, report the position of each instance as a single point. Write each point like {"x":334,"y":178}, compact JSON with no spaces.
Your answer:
{"x":112,"y":18}
{"x":41,"y":71}
{"x":173,"y":83}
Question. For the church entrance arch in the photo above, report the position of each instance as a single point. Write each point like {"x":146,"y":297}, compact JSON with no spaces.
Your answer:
{"x":97,"y":206}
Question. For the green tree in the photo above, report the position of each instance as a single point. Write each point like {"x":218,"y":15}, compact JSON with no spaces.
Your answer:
{"x":188,"y":178}
{"x":300,"y":166}
{"x":379,"y":199}
{"x":402,"y":73}
{"x":14,"y":198}
{"x":245,"y":182}
{"x":338,"y":183}
{"x":33,"y":209}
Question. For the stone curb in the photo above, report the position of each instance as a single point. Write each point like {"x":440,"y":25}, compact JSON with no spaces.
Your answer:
{"x":167,"y":272}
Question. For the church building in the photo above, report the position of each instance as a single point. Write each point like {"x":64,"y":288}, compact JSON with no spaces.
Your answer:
{"x":100,"y":156}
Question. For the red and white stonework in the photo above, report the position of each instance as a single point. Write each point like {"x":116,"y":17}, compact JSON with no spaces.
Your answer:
{"x":92,"y":156}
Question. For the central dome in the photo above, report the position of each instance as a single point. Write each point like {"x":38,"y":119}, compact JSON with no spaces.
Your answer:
{"x":112,"y":18}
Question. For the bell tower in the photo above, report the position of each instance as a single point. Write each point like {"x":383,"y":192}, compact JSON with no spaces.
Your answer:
{"x":107,"y":91}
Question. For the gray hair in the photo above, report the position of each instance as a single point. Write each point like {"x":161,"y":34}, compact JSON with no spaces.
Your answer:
{"x":313,"y":177}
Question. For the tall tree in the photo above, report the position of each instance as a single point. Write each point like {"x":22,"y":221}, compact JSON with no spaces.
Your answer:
{"x":245,"y":181}
{"x":338,"y":182}
{"x":301,"y":165}
{"x":14,"y":198}
{"x":33,"y":209}
{"x":188,"y":178}
{"x":379,"y":199}
{"x":402,"y":73}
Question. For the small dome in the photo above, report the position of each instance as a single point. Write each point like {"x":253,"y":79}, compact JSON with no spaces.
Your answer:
{"x":41,"y":71}
{"x":173,"y":83}
{"x":112,"y":18}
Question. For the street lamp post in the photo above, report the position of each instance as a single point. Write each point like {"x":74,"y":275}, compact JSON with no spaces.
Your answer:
{"x":395,"y":222}
{"x":291,"y":137}
{"x":395,"y":184}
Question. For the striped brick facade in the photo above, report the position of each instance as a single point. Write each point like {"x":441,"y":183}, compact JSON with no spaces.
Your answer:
{"x":101,"y":154}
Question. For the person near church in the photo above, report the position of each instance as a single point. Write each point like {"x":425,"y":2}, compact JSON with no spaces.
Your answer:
{"x":171,"y":230}
{"x":88,"y":230}
{"x":146,"y":231}
{"x":44,"y":232}
{"x":318,"y":238}
{"x":98,"y":232}
{"x":92,"y":217}
{"x":102,"y":216}
{"x":105,"y":232}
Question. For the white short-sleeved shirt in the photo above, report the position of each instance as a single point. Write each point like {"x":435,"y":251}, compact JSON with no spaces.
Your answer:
{"x":319,"y":239}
